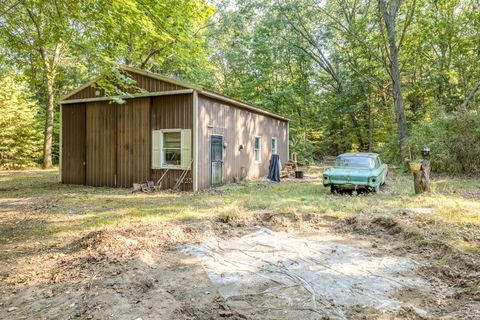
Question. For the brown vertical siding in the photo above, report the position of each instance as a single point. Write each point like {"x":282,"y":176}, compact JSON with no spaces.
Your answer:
{"x":73,"y":144}
{"x":142,"y":82}
{"x":101,"y":126}
{"x":133,"y":141}
{"x":238,"y":127}
{"x":172,"y":112}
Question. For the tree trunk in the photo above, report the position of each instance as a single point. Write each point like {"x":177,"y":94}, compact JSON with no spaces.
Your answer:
{"x":389,"y":15}
{"x":49,"y":114}
{"x":421,"y":179}
{"x":463,"y":106}
{"x":398,"y":99}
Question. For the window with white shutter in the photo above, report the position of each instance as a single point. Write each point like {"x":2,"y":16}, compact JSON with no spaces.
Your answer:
{"x":171,"y":149}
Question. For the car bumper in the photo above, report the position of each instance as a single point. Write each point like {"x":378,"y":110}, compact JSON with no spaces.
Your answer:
{"x":351,"y":185}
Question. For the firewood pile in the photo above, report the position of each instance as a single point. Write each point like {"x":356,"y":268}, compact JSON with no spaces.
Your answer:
{"x":288,"y":169}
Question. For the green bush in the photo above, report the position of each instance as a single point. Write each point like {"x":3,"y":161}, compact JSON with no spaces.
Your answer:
{"x":20,"y":141}
{"x":454,"y":142}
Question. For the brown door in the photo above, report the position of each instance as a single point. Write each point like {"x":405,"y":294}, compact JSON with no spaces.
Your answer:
{"x":101,"y":144}
{"x":73,"y":144}
{"x":133,"y":141}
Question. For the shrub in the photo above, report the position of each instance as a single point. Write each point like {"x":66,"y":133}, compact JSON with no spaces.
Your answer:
{"x":454,"y":142}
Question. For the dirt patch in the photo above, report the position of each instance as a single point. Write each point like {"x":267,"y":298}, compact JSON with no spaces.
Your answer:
{"x":141,"y":272}
{"x":441,"y":264}
{"x":311,"y":276}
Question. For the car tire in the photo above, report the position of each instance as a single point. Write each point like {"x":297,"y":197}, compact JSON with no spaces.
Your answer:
{"x":333,"y":189}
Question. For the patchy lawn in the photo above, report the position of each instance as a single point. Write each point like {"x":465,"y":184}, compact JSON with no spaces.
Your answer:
{"x":91,"y":242}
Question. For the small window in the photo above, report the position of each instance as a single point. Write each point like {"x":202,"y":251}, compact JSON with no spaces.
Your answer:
{"x":172,"y":149}
{"x":257,"y":150}
{"x":274,"y":146}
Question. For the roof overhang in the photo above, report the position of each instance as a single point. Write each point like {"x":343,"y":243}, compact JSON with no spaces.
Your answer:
{"x":130,"y":96}
{"x":188,"y":89}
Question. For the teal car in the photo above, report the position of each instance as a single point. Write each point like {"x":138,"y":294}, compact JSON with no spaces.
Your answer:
{"x":362,"y":171}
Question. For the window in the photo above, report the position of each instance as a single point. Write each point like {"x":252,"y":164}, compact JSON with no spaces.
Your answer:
{"x":274,"y":146}
{"x":171,"y":149}
{"x":355,"y":162}
{"x":257,"y":150}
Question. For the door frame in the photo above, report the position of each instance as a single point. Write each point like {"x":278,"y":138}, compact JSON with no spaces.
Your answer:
{"x":210,"y":162}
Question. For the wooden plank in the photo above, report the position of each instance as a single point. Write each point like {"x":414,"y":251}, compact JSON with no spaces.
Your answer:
{"x":73,"y":144}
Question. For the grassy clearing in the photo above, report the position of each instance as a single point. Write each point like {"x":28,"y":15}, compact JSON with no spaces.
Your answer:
{"x":35,"y":207}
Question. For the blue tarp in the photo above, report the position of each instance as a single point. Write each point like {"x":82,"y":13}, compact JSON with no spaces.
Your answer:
{"x":274,"y":169}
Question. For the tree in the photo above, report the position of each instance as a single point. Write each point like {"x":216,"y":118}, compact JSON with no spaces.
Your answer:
{"x":53,"y":42}
{"x":20,"y":141}
{"x":389,"y":11}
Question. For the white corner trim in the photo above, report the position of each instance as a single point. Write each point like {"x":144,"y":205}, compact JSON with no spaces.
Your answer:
{"x":288,"y":141}
{"x":195,"y":141}
{"x":60,"y":146}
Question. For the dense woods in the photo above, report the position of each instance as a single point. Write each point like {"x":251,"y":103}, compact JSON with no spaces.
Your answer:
{"x":389,"y":76}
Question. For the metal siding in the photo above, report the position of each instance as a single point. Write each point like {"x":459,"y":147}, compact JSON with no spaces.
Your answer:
{"x":133,"y":141}
{"x":101,"y":124}
{"x":142,"y":82}
{"x":237,"y":126}
{"x":73,"y":144}
{"x":172,"y":112}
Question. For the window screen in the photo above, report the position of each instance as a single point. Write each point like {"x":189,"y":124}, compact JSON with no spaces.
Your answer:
{"x":172,"y":148}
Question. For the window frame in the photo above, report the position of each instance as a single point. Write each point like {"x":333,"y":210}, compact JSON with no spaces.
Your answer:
{"x":276,"y":145}
{"x":164,"y":165}
{"x":259,"y":150}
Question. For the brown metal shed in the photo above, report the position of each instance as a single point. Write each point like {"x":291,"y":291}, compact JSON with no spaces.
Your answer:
{"x":170,"y":127}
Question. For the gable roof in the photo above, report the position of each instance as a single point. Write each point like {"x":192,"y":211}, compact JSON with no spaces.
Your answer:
{"x":181,"y":83}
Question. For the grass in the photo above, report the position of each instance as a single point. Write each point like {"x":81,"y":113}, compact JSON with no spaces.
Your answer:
{"x":35,"y":207}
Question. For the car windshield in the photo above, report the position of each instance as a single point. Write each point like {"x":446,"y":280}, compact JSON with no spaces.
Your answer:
{"x":355,"y":162}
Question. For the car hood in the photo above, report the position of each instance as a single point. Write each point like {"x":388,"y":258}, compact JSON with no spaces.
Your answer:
{"x":352,"y":172}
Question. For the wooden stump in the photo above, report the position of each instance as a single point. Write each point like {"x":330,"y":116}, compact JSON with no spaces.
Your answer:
{"x":421,"y":178}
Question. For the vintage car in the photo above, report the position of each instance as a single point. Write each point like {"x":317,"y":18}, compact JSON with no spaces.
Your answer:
{"x":361,"y":171}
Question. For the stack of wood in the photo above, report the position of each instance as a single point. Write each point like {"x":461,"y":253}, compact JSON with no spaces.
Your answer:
{"x":288,"y":169}
{"x":147,"y":187}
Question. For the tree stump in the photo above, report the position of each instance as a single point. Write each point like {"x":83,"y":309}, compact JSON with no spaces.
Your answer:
{"x":421,"y":178}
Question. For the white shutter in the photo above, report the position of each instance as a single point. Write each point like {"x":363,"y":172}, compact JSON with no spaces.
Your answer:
{"x":186,"y":148}
{"x":156,"y":149}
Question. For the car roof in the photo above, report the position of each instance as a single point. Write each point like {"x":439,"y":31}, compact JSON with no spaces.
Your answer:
{"x":359,"y":154}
